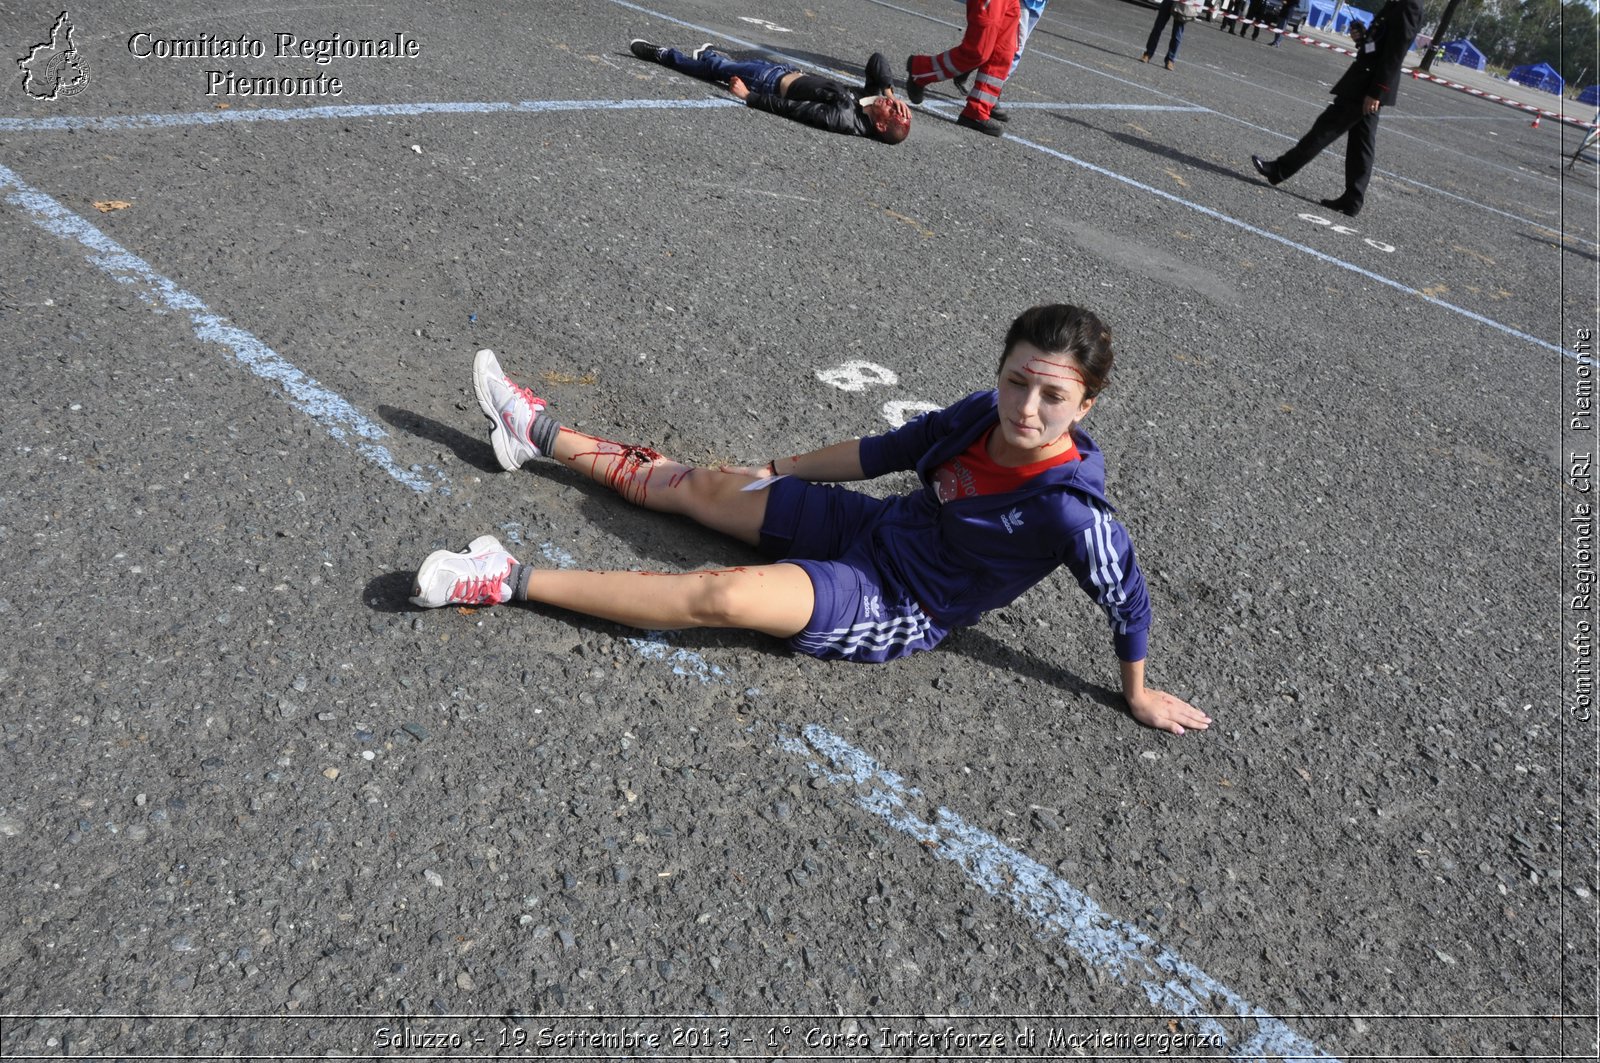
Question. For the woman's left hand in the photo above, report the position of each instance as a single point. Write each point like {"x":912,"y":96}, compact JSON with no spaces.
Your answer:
{"x":1158,"y":709}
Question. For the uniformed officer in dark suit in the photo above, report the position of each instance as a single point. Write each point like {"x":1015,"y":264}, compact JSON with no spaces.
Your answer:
{"x":1371,"y":83}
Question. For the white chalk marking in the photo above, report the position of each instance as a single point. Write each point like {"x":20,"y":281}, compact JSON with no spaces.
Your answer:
{"x":858,"y":376}
{"x":898,"y":411}
{"x":341,"y":420}
{"x":764,"y":24}
{"x":1170,"y":983}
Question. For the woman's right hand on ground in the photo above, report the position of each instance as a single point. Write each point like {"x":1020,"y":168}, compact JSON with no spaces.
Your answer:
{"x":737,"y":86}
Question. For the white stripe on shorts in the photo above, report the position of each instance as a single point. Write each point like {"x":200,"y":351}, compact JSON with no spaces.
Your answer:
{"x":870,"y":636}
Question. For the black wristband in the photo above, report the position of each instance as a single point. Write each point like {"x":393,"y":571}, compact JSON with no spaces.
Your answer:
{"x":773,"y":465}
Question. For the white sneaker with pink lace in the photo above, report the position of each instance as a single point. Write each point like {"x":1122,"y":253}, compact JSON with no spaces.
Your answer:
{"x":512,"y":407}
{"x":479,"y":576}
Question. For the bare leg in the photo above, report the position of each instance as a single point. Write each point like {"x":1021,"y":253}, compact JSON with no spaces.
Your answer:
{"x":713,"y":497}
{"x":773,"y":599}
{"x":523,"y":431}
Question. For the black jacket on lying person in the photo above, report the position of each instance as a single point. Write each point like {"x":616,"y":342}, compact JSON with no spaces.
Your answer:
{"x":827,"y":104}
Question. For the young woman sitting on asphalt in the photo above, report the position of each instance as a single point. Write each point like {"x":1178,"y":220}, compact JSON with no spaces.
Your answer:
{"x":1012,"y":488}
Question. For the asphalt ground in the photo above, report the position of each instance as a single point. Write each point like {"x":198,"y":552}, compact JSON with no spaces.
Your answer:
{"x":244,"y":780}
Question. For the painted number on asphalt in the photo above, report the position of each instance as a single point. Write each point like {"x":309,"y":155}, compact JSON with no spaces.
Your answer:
{"x":1345,"y":230}
{"x":860,"y":375}
{"x":773,"y":26}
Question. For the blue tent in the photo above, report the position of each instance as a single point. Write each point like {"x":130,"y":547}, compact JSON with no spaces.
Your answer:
{"x":1320,"y":13}
{"x":1464,"y":53}
{"x":1330,"y":15}
{"x":1590,"y":96}
{"x":1538,"y":76}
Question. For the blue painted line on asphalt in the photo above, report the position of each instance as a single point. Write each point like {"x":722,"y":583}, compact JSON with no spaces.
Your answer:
{"x":341,"y":420}
{"x":108,"y":123}
{"x":1066,"y":914}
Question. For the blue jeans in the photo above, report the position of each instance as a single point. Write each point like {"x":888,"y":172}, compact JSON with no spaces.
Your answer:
{"x":760,"y":75}
{"x":1155,"y":34}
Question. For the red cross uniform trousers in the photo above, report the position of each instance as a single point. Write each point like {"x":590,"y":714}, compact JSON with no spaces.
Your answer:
{"x":988,"y":47}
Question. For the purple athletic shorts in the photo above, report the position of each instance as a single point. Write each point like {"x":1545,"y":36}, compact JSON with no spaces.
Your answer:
{"x":860,"y":614}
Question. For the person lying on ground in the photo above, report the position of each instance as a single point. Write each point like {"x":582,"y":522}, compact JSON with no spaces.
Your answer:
{"x":872,"y":110}
{"x":1012,"y":489}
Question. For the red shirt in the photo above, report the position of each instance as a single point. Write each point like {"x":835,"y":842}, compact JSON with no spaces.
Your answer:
{"x":973,"y":472}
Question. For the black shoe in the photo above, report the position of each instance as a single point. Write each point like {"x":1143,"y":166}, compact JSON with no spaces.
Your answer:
{"x":1000,"y":114}
{"x":645,"y":50}
{"x":914,"y":92}
{"x":1343,"y":205}
{"x":1266,"y":169}
{"x":700,"y":52}
{"x":960,"y":82}
{"x":987,"y":126}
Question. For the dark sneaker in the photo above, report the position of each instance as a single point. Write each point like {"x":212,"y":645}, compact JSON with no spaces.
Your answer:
{"x":986,"y":126}
{"x":1343,"y":205}
{"x":645,"y":50}
{"x":914,"y":92}
{"x":1265,"y":169}
{"x":960,"y":82}
{"x":700,"y":52}
{"x":1000,"y":114}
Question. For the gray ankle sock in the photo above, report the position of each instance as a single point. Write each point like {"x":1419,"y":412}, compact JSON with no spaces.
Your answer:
{"x":542,"y":433}
{"x":520,"y":574}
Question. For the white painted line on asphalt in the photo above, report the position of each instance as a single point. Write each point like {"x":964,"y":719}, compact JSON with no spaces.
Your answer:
{"x":940,"y":107}
{"x":341,"y":420}
{"x":1256,"y":230}
{"x":1066,"y":914}
{"x":115,"y":123}
{"x":1125,"y":82}
{"x":109,"y":123}
{"x":1171,"y":108}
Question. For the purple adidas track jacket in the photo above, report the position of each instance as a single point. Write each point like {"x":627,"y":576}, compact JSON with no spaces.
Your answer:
{"x":964,"y":557}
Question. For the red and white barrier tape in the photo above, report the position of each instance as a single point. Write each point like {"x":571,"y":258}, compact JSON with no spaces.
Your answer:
{"x":1416,"y":75}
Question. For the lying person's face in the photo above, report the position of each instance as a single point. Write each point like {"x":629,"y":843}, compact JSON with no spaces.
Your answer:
{"x":886,"y":110}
